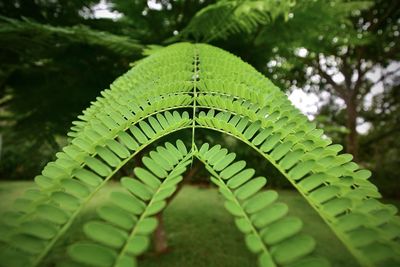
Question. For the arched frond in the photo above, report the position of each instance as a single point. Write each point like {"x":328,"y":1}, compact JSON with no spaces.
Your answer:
{"x":186,"y":86}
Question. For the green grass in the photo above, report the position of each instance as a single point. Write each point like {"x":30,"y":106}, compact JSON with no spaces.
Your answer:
{"x":200,"y":232}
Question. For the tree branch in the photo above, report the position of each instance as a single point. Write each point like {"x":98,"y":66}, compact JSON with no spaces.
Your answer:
{"x":339,"y":89}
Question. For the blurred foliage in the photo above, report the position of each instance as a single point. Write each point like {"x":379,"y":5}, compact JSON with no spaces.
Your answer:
{"x":380,"y":147}
{"x":56,"y":56}
{"x":227,"y":17}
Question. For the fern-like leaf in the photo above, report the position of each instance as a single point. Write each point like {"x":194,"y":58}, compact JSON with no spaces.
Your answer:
{"x":222,"y":94}
{"x":122,"y":233}
{"x":273,"y":236}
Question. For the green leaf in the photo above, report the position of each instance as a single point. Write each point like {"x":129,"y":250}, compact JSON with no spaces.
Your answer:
{"x":147,"y":178}
{"x":28,"y":243}
{"x":281,"y":150}
{"x":138,"y":134}
{"x":363,"y":236}
{"x":240,"y":178}
{"x":235,"y":119}
{"x":173,"y":150}
{"x":75,"y":188}
{"x":127,"y":202}
{"x":168,"y":155}
{"x":118,"y":149}
{"x":242,"y":124}
{"x":292,"y":249}
{"x":337,"y":206}
{"x":88,"y":177}
{"x":107,"y":121}
{"x":138,"y":244}
{"x":54,"y":171}
{"x":126,"y":261}
{"x":137,"y":188}
{"x":218,"y":156}
{"x":233,"y":169}
{"x":181,"y":147}
{"x":155,"y":207}
{"x":244,"y":225}
{"x":97,"y":166}
{"x":261,"y":136}
{"x":291,"y":158}
{"x":260,"y":201}
{"x":250,"y":188}
{"x":324,"y":193}
{"x":65,"y":200}
{"x":105,"y":234}
{"x":204,"y":149}
{"x":270,"y":142}
{"x":254,"y":243}
{"x":362,"y":174}
{"x":155,"y":125}
{"x":160,"y":160}
{"x":234,"y":208}
{"x":269,"y":215}
{"x":146,"y":226}
{"x":147,"y":129}
{"x":44,"y":182}
{"x":282,"y":230}
{"x":351,"y":221}
{"x":265,"y":260}
{"x":154,"y":167}
{"x":301,"y":169}
{"x":212,"y":151}
{"x":251,"y":130}
{"x":116,"y":216}
{"x":82,"y":144}
{"x":22,"y":205}
{"x":108,"y":156}
{"x":165,"y":192}
{"x":313,"y":181}
{"x":39,"y":229}
{"x":128,"y":140}
{"x":92,"y":254}
{"x":52,"y":213}
{"x":164,"y":123}
{"x":222,"y":164}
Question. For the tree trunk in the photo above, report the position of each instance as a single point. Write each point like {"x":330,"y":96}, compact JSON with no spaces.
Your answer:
{"x":159,"y":237}
{"x":351,"y":123}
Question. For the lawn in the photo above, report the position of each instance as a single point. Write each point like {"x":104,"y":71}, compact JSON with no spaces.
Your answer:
{"x":200,"y":232}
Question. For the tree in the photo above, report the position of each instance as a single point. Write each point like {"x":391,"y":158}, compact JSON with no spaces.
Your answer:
{"x":381,"y":146}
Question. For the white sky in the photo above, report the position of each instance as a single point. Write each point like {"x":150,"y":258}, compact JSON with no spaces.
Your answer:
{"x":102,"y":11}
